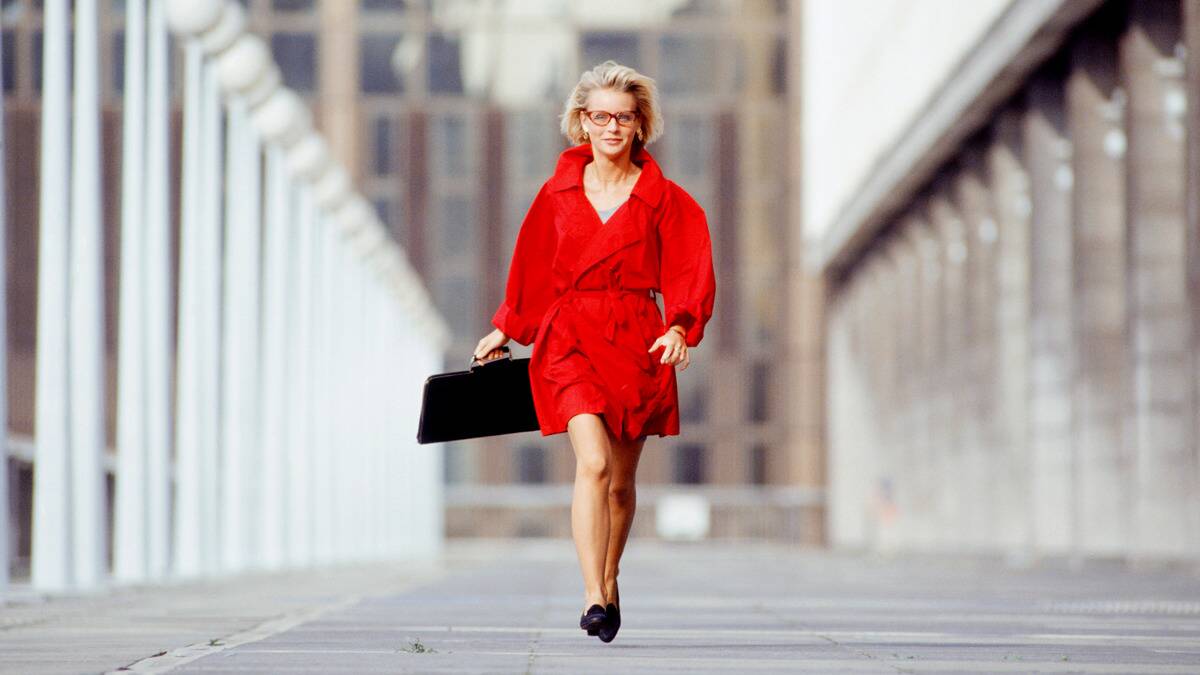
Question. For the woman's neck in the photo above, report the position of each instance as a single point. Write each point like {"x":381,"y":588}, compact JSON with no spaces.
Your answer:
{"x":608,"y":171}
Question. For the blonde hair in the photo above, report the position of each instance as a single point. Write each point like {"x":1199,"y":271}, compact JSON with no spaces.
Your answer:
{"x":612,"y":75}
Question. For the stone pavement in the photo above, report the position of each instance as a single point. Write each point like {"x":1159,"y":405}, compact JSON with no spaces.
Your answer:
{"x":513,"y":607}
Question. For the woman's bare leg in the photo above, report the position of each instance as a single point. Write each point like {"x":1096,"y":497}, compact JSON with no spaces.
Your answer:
{"x":622,"y":502}
{"x":589,"y":504}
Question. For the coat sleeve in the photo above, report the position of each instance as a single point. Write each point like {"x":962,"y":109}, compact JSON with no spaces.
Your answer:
{"x":530,"y":288}
{"x":686,"y":266}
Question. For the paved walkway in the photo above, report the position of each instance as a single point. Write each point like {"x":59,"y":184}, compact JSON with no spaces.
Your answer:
{"x":513,"y":607}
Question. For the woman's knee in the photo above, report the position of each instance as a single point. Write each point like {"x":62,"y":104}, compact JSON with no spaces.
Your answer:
{"x":621,"y":492}
{"x":594,"y":465}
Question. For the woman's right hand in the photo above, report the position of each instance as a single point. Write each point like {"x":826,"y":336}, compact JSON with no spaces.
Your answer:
{"x":489,"y":347}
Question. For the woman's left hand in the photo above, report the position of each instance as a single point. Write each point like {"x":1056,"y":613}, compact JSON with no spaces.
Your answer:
{"x":675,"y":350}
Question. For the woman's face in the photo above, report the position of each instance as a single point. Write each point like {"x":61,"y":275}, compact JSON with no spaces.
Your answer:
{"x":612,"y":139}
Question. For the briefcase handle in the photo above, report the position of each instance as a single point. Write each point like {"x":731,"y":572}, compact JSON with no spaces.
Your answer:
{"x":478,"y":364}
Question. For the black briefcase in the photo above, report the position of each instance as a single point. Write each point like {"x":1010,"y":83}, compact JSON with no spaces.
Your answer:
{"x":489,"y":399}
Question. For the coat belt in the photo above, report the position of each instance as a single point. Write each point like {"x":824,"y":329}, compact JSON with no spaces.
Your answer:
{"x":618,"y":311}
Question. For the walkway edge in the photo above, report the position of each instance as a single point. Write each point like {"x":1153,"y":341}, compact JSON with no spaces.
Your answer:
{"x":166,"y":661}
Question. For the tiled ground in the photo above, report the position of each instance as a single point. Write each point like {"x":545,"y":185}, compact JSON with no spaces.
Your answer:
{"x":513,"y":607}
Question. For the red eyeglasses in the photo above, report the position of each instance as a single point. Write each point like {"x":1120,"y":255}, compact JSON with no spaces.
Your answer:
{"x":601,"y":117}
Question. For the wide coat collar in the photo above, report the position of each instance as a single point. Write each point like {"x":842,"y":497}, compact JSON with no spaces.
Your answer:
{"x":588,"y":241}
{"x":569,"y":173}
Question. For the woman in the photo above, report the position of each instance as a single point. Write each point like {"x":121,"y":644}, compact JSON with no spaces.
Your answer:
{"x":603,"y":234}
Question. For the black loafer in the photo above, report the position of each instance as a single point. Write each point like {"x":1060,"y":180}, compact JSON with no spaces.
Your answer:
{"x":608,"y":630}
{"x":593,"y":618}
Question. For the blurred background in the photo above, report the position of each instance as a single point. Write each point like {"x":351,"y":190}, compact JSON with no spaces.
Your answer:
{"x":957,"y":248}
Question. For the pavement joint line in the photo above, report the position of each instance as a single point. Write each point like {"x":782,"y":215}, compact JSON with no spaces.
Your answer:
{"x":167,"y":661}
{"x":801,"y":628}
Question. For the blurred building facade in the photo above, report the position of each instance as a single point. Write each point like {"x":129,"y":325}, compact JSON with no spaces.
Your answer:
{"x":446,"y":114}
{"x":1010,"y":234}
{"x":455,"y":129}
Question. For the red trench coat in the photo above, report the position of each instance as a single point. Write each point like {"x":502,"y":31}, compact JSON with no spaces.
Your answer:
{"x":581,"y":291}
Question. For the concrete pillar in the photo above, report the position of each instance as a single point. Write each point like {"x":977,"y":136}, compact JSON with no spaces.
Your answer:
{"x":850,"y":438}
{"x":888,"y":322}
{"x":1048,"y":158}
{"x":1152,"y":71}
{"x":4,"y":529}
{"x":1191,"y":22}
{"x":932,"y":402}
{"x":907,"y":255}
{"x":981,"y":376}
{"x":1009,"y":189}
{"x":953,"y":433}
{"x":1095,"y":107}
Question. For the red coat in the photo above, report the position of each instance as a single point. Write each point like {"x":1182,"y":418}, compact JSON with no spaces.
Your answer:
{"x":582,"y":291}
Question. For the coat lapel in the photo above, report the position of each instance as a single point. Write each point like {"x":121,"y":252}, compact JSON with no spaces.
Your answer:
{"x":596,"y":241}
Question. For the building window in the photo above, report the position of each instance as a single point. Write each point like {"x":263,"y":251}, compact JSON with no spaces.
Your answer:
{"x":10,"y":67}
{"x":457,"y":299}
{"x":620,"y":47}
{"x":382,"y":144}
{"x":454,"y":155}
{"x":531,"y":464}
{"x":690,"y":459}
{"x":296,"y":54}
{"x":758,"y":465}
{"x":688,"y":64}
{"x":693,"y":400}
{"x":292,"y":5}
{"x":759,"y":390}
{"x":118,"y":61}
{"x":445,"y":64}
{"x":455,"y":232}
{"x":375,"y":64}
{"x":396,"y":6}
{"x":692,"y":161}
{"x":531,"y":140}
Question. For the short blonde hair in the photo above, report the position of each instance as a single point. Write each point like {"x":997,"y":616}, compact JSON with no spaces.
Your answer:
{"x":612,"y":75}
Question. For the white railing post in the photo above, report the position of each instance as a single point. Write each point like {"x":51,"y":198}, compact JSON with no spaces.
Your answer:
{"x":239,"y":367}
{"x":299,"y":507}
{"x":87,"y":410}
{"x":52,"y":526}
{"x":208,"y":308}
{"x":158,"y":301}
{"x":131,"y":509}
{"x":276,"y":378}
{"x":188,"y":518}
{"x":325,"y":459}
{"x":312,"y":394}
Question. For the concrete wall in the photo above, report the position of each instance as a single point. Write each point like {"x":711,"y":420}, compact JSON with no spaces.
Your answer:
{"x":869,"y":68}
{"x":1013,"y":359}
